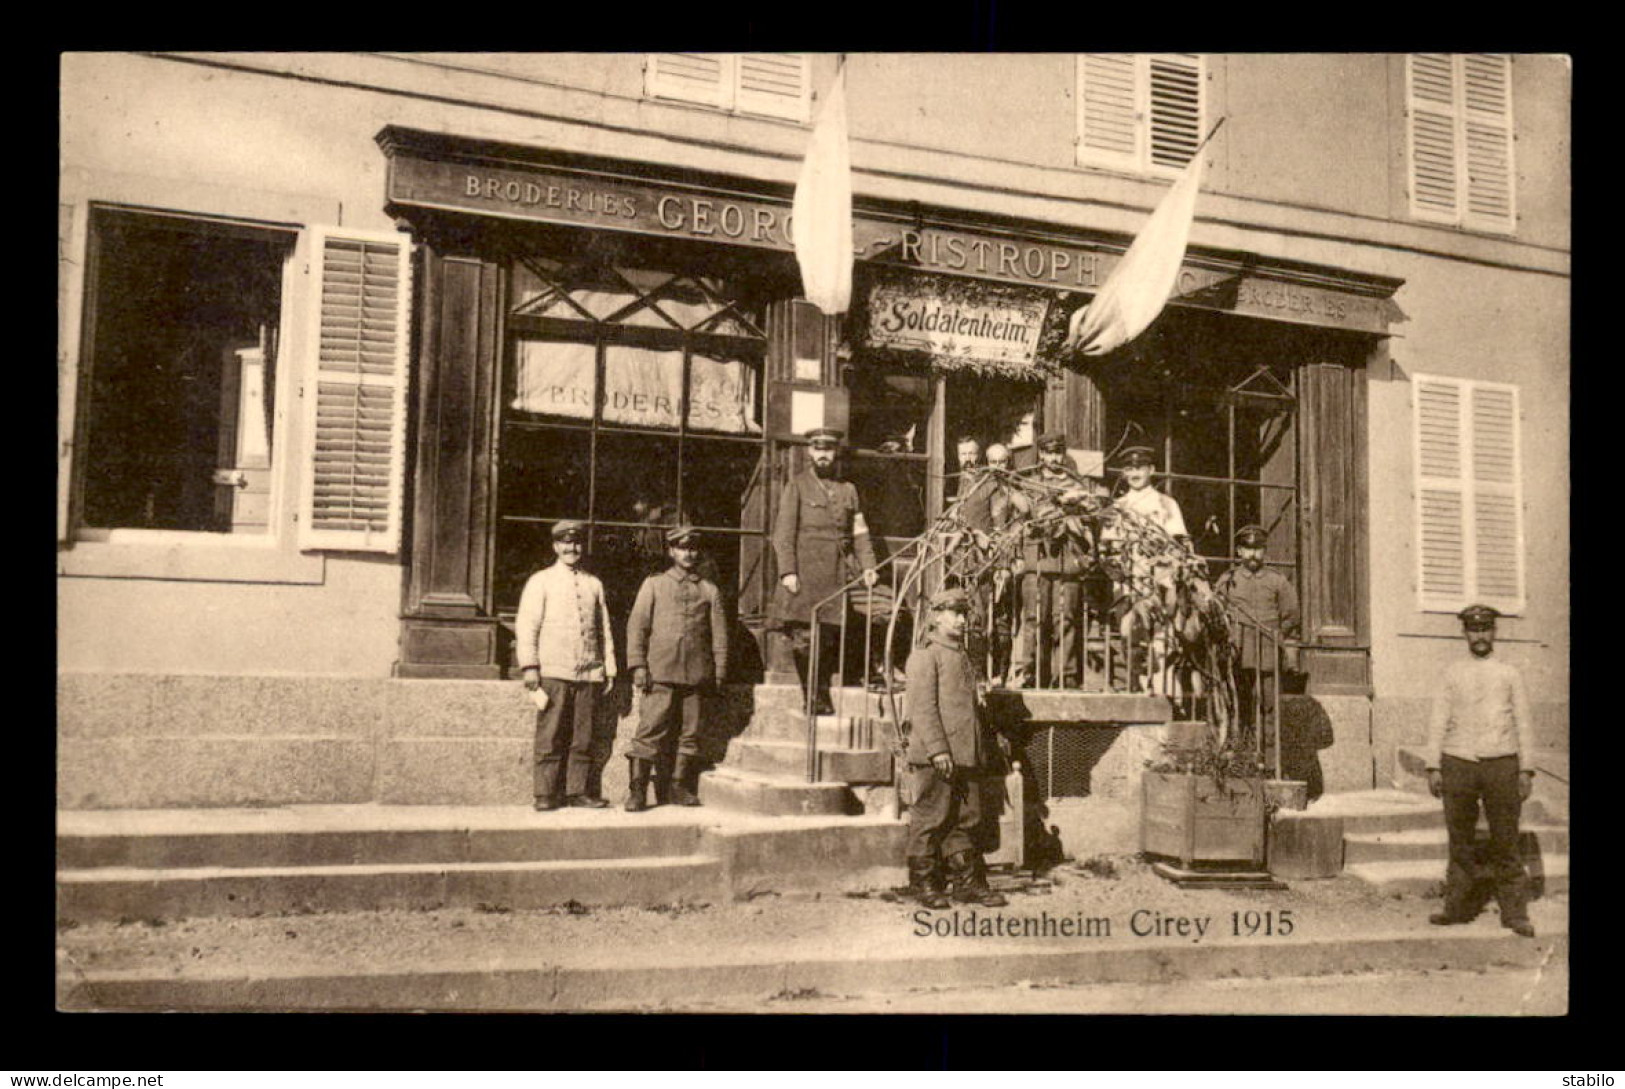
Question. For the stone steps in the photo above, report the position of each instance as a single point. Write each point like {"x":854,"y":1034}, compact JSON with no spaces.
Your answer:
{"x":124,"y":892}
{"x":739,"y":790}
{"x":1425,"y":876}
{"x":1434,"y":844}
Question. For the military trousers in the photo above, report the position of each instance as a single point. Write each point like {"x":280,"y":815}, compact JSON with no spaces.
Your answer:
{"x":1049,"y":622}
{"x":1492,"y":784}
{"x":1255,"y":702}
{"x":564,"y":736}
{"x":945,"y":814}
{"x":664,"y":706}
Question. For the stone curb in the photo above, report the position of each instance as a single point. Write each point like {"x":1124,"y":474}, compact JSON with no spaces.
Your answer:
{"x":543,"y":986}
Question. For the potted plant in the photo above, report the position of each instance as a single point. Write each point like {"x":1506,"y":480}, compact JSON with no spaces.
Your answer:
{"x":1204,"y":802}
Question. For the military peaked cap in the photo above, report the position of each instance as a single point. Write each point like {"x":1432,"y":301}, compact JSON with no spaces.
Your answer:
{"x":1052,"y":440}
{"x":825,"y":436}
{"x":952,"y":598}
{"x":1139,"y":455}
{"x":569,"y":531}
{"x":680,"y":534}
{"x":1478,"y":616}
{"x":1251,"y":536}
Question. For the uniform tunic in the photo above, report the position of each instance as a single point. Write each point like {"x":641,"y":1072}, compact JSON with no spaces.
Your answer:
{"x":814,"y":538}
{"x":1266,"y":597}
{"x":941,"y":700}
{"x":678,"y":632}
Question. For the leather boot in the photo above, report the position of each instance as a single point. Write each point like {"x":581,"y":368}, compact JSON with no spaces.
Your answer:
{"x":969,"y":880}
{"x":925,"y":883}
{"x":637,"y":795}
{"x":682,"y":781}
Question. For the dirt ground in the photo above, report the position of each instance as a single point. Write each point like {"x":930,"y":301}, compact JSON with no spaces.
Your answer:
{"x":1111,"y":900}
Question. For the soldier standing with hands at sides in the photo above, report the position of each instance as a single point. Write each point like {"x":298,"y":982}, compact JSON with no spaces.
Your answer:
{"x":1143,"y":499}
{"x":1480,"y":750}
{"x":819,"y":536}
{"x":946,"y":758}
{"x":1266,"y":597}
{"x":565,"y":648}
{"x":677,"y":650}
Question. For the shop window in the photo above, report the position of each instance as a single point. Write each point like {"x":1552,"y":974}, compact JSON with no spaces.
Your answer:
{"x":1469,"y":505}
{"x":180,"y":419}
{"x":1140,"y":112}
{"x":183,"y":359}
{"x":631,"y":401}
{"x":763,"y":84}
{"x":891,"y":410}
{"x":1459,"y":139}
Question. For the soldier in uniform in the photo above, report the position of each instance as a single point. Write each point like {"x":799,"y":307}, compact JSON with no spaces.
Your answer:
{"x":1051,"y":574}
{"x":947,"y":758}
{"x":1142,"y":498}
{"x":821,"y":542}
{"x":1480,"y":750}
{"x":1267,"y":598}
{"x":1004,"y":589}
{"x":677,"y":650}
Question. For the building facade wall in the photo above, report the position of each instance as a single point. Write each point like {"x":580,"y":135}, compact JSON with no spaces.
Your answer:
{"x":291,"y":138}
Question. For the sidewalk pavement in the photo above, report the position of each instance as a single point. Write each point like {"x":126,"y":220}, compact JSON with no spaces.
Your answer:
{"x":1106,"y":920}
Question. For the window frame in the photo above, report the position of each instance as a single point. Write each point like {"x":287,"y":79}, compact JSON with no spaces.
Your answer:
{"x":1467,"y":486}
{"x":1140,"y":162}
{"x":285,"y":392}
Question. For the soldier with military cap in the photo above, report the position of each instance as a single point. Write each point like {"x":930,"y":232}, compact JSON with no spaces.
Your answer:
{"x":1136,"y":466}
{"x":677,"y":650}
{"x":1051,"y":573}
{"x":566,"y":650}
{"x":1267,"y":598}
{"x":947,"y":760}
{"x":821,"y":542}
{"x":1480,"y":752}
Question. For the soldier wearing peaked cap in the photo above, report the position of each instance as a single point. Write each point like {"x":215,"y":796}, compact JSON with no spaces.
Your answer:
{"x":1263,"y":596}
{"x":821,"y":543}
{"x":677,"y":649}
{"x":565,"y":648}
{"x":1480,"y":753}
{"x":947,"y":762}
{"x":1142,"y":498}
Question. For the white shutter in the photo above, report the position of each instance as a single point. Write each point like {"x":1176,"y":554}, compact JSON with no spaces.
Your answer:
{"x":1434,"y":149}
{"x":774,"y":85}
{"x":1441,"y":514}
{"x":355,"y":391}
{"x":1109,"y":116}
{"x":1469,"y":503}
{"x":1174,"y":89}
{"x":1497,"y":504}
{"x":1487,"y":121}
{"x":704,"y":78}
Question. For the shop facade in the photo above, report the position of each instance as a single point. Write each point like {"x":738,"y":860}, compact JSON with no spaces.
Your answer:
{"x":430,"y":324}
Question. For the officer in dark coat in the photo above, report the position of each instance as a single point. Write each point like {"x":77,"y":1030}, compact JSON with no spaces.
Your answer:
{"x":947,"y":760}
{"x":1266,"y":597}
{"x":821,"y":543}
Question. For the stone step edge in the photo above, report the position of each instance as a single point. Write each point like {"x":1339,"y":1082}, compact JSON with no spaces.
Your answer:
{"x":1437,"y":835}
{"x":1404,"y":868}
{"x":112,"y":874}
{"x":564,"y":987}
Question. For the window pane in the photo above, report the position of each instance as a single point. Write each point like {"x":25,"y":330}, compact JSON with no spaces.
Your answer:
{"x":183,"y":375}
{"x":637,"y":474}
{"x":522,"y":548}
{"x":1206,"y":511}
{"x":642,"y":387}
{"x":890,"y":405}
{"x":554,"y":378}
{"x":724,"y":396}
{"x":722,"y":483}
{"x":1264,"y":443}
{"x":544,"y":473}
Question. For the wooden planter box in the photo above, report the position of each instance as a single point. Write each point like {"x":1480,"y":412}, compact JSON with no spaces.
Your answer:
{"x":1193,"y":819}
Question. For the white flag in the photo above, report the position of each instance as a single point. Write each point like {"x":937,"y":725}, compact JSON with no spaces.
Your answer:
{"x":821,"y":218}
{"x":1138,"y":288}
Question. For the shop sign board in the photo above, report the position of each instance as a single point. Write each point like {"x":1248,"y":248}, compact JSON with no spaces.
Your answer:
{"x":998,"y":330}
{"x":617,"y":203}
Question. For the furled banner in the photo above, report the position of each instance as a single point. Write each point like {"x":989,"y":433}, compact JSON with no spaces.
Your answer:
{"x":642,"y":388}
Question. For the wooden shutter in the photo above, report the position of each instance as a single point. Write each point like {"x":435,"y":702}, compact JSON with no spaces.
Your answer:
{"x":1460,"y":139}
{"x":1469,"y":507}
{"x":1108,"y":110}
{"x":704,"y":78}
{"x":355,"y":391}
{"x":1174,"y":93}
{"x":774,"y":85}
{"x":1487,"y":138}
